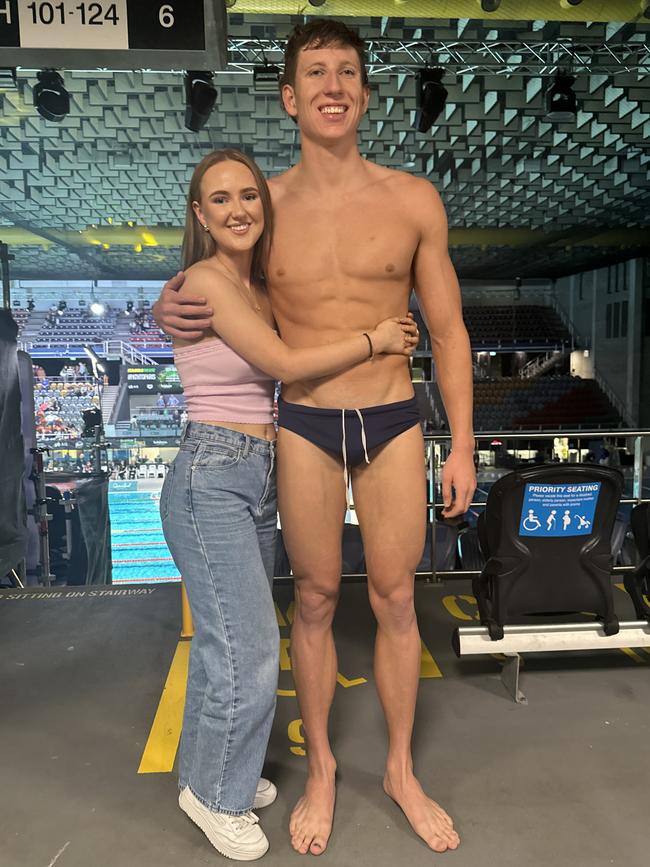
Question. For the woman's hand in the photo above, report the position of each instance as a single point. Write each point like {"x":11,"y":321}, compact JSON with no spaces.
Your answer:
{"x":395,"y":336}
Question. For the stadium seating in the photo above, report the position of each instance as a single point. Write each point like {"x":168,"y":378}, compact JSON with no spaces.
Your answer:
{"x":548,"y":401}
{"x":59,"y":406}
{"x":516,"y":326}
{"x":79,"y":326}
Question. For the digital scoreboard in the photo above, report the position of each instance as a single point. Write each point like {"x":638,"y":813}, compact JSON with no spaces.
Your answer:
{"x":155,"y":379}
{"x":113,"y":34}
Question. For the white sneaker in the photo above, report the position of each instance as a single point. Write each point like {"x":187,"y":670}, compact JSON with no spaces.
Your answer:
{"x":266,"y":793}
{"x":237,"y":837}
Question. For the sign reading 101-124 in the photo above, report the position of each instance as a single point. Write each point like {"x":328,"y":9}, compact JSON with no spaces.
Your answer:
{"x":105,"y":24}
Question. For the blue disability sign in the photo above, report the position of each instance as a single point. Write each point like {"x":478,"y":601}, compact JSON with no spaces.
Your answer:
{"x":558,"y":510}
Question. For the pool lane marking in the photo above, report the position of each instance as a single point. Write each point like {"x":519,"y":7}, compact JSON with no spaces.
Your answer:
{"x":164,"y":737}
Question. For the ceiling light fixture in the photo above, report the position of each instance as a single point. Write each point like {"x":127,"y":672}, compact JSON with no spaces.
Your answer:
{"x":490,"y":5}
{"x":51,"y":99}
{"x":432,"y":96}
{"x":561,"y":101}
{"x":200,"y":98}
{"x":266,"y":78}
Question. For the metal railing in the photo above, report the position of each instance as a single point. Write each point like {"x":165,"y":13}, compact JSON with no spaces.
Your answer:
{"x":128,"y":353}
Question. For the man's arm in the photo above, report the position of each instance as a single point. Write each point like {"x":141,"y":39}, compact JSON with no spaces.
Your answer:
{"x":185,"y":316}
{"x":438,"y":294}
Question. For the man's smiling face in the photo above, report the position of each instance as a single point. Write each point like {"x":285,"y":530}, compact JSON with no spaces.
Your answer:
{"x":328,"y":98}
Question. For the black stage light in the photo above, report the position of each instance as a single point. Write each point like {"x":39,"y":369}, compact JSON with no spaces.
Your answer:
{"x":490,"y":5}
{"x":62,"y":306}
{"x":200,"y":98}
{"x":266,"y":78}
{"x":561,"y":102}
{"x":30,"y":305}
{"x":129,"y":307}
{"x":432,"y":96}
{"x":51,"y":99}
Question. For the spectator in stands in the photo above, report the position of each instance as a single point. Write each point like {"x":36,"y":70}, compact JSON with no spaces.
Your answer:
{"x":224,"y":542}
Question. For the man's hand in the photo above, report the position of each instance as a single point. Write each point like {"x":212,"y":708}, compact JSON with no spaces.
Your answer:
{"x":458,"y":483}
{"x":185,"y":316}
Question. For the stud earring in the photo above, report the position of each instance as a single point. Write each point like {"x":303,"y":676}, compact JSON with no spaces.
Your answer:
{"x":205,"y":227}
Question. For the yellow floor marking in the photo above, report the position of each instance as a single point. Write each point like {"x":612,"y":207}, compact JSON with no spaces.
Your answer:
{"x":621,"y":587}
{"x":633,"y":655}
{"x":297,"y":737}
{"x":285,"y":659}
{"x":164,"y":737}
{"x":290,"y":610}
{"x":356,"y":681}
{"x":452,"y":606}
{"x":428,"y":665}
{"x":646,"y":650}
{"x":279,"y":617}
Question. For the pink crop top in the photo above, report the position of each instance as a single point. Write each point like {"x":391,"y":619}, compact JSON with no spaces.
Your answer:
{"x":220,"y":385}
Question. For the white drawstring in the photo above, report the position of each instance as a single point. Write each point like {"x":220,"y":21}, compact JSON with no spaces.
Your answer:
{"x":363,"y":435}
{"x":346,"y":474}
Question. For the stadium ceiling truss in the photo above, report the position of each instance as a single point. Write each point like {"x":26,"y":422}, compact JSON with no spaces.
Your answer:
{"x":101,"y":195}
{"x":393,"y":56}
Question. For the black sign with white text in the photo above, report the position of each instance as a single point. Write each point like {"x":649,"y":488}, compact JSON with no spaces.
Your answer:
{"x":118,"y":34}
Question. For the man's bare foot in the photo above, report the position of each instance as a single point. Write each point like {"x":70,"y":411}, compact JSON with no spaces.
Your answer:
{"x":427,"y":818}
{"x":310,"y":825}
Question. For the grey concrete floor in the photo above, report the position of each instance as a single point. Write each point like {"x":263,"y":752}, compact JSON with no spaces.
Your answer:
{"x":562,"y":781}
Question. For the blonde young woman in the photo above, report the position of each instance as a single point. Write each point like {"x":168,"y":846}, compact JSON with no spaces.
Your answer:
{"x":218,"y":502}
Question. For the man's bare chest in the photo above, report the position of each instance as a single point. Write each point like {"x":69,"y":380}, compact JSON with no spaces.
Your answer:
{"x":350,"y":241}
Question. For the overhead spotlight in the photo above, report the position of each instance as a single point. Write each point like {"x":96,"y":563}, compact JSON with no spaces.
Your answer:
{"x":490,"y":5}
{"x":97,"y":308}
{"x":129,"y":307}
{"x":30,"y":305}
{"x":266,"y":78}
{"x":200,"y":98}
{"x":561,"y":102}
{"x":317,"y":2}
{"x":573,"y":2}
{"x":51,"y":99}
{"x":432,"y":96}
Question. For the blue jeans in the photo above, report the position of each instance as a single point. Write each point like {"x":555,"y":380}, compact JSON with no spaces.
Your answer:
{"x":218,"y":508}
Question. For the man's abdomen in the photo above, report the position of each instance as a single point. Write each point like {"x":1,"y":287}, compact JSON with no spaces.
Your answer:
{"x":383,"y":379}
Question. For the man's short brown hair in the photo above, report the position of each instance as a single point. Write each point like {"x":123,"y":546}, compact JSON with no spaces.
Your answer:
{"x":321,"y":33}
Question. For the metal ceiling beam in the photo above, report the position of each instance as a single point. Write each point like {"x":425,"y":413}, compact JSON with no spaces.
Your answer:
{"x":393,"y":56}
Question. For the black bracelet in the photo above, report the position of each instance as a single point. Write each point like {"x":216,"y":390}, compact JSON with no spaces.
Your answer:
{"x":372,"y":351}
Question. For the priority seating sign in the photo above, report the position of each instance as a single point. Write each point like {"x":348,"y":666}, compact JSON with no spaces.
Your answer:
{"x":558,"y":510}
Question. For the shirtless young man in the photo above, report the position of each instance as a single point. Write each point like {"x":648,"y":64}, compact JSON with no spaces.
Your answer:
{"x":360,"y":236}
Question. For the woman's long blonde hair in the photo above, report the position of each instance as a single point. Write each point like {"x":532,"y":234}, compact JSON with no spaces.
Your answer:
{"x":199,"y":244}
